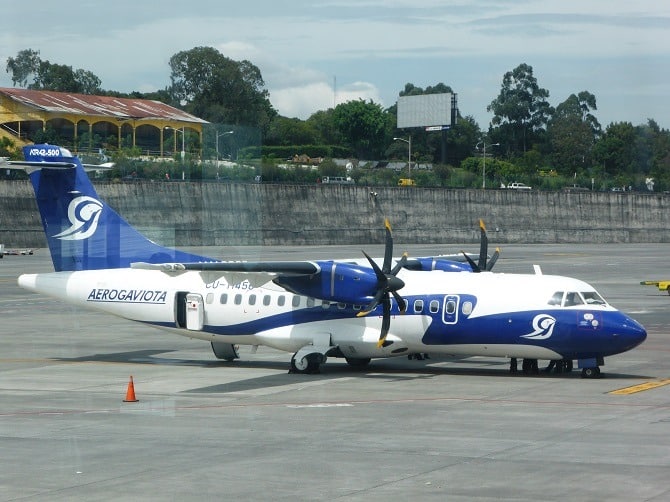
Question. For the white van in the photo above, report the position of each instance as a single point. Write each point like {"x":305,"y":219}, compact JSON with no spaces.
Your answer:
{"x":341,"y":180}
{"x":518,"y":186}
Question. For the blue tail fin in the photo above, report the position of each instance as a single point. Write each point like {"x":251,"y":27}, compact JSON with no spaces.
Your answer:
{"x":83,"y":233}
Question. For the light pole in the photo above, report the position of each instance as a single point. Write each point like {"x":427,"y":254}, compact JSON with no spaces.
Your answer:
{"x":484,"y":161}
{"x":218,"y":135}
{"x":183,"y":149}
{"x":409,"y":154}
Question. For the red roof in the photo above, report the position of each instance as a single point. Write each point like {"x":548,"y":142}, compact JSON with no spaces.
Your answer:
{"x":102,"y":106}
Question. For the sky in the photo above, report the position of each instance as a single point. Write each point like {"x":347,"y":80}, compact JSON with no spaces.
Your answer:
{"x":313,"y":54}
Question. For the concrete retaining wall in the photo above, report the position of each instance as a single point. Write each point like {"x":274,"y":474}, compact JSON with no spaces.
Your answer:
{"x":195,"y":214}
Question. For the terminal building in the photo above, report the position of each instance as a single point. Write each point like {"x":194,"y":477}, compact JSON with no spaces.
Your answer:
{"x":87,"y":123}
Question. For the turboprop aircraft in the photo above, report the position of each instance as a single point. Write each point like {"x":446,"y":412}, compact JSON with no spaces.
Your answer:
{"x":313,"y":309}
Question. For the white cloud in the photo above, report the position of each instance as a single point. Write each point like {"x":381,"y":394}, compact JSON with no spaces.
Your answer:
{"x":303,"y":101}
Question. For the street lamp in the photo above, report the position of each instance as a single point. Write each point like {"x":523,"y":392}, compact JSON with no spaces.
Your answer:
{"x":183,"y":149}
{"x":409,"y":154}
{"x":484,"y":161}
{"x":218,"y":135}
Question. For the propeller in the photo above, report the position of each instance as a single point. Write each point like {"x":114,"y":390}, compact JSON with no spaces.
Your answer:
{"x":387,"y":284}
{"x":483,"y":253}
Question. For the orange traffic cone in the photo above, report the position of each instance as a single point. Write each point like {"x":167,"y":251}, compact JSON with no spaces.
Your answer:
{"x":130,"y":393}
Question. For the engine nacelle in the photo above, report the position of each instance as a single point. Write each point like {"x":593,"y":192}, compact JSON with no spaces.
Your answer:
{"x":436,"y":263}
{"x":336,"y":282}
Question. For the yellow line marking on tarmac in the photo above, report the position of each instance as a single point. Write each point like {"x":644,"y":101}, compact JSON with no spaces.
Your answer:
{"x":640,"y":387}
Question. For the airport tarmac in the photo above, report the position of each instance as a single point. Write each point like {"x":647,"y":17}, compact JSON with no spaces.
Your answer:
{"x":441,"y":429}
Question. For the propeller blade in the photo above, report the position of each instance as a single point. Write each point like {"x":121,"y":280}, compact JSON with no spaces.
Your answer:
{"x":386,"y":323}
{"x":402,"y":306}
{"x":373,"y":304}
{"x":388,"y":248}
{"x":401,"y":263}
{"x":473,"y":265}
{"x":378,"y":272}
{"x":493,"y":259}
{"x":483,"y":246}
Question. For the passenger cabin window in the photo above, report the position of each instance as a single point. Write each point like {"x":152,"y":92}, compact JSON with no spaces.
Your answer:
{"x":224,"y":299}
{"x":238,"y":299}
{"x":418,"y":306}
{"x":295,"y":302}
{"x":450,"y":307}
{"x":281,"y":300}
{"x":434,"y":306}
{"x":266,"y":300}
{"x":252,"y":299}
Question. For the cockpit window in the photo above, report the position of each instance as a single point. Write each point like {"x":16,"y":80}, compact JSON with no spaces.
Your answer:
{"x":572,"y":298}
{"x":556,"y":298}
{"x":593,"y":298}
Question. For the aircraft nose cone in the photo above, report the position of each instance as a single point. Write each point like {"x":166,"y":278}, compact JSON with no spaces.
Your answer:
{"x":632,"y":333}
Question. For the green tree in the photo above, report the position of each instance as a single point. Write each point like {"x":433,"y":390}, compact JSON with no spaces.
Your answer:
{"x":362,"y":126}
{"x":25,"y":64}
{"x":614,"y":153}
{"x":660,"y":170}
{"x":290,"y":131}
{"x":572,"y":133}
{"x":323,"y":125}
{"x":48,"y":76}
{"x":219,"y":89}
{"x":521,"y":110}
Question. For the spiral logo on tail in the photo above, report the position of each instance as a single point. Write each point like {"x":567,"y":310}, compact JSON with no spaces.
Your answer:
{"x":83,"y":213}
{"x":543,"y":324}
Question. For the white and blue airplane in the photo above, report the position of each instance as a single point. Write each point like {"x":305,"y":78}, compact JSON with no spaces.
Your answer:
{"x":355,"y":310}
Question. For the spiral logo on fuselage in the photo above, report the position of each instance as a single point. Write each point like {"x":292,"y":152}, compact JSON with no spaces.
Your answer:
{"x":543,"y":324}
{"x":83,"y":213}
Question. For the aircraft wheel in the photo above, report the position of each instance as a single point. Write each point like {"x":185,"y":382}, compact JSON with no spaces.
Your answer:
{"x":307,"y":364}
{"x":591,"y":372}
{"x":358,"y":362}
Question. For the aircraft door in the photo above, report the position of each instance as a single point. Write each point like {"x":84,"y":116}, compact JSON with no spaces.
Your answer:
{"x":190,"y":311}
{"x":450,"y":309}
{"x":195,"y":312}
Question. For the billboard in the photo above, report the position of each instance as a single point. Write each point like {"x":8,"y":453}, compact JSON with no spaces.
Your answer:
{"x":424,"y":110}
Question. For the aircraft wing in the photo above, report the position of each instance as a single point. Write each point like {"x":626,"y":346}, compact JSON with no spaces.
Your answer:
{"x":279,"y":268}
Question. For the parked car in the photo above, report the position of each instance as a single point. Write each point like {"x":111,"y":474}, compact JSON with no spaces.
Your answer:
{"x":518,"y":186}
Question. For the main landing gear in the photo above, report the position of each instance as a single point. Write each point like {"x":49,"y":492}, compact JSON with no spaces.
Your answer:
{"x":307,"y":363}
{"x":530,"y":367}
